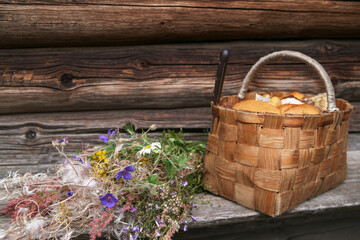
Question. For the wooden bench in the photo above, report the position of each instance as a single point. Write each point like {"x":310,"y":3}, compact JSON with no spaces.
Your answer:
{"x":332,"y":215}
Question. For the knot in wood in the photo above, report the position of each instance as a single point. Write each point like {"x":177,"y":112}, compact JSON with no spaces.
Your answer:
{"x":30,"y":134}
{"x":144,"y":63}
{"x":66,"y":79}
{"x":328,"y":47}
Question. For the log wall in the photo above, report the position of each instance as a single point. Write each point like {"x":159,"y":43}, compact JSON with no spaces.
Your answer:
{"x":162,"y":76}
{"x":106,"y":69}
{"x":36,"y":23}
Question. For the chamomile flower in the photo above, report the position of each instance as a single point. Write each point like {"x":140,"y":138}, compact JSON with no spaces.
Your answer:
{"x":148,"y":149}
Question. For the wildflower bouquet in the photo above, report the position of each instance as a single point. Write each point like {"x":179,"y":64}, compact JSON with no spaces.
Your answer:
{"x":130,"y":188}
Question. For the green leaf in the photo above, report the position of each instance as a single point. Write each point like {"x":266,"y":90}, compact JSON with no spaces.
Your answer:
{"x":154,"y":179}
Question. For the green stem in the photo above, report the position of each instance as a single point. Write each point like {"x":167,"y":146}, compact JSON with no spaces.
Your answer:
{"x":54,"y":192}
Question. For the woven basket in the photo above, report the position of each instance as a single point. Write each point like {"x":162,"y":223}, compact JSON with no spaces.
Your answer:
{"x":269,"y":162}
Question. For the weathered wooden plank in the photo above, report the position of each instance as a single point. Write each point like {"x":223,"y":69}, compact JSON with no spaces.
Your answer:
{"x":162,"y":76}
{"x":77,"y":23}
{"x":25,"y":139}
{"x":354,"y":141}
{"x":355,"y":118}
{"x":212,"y":211}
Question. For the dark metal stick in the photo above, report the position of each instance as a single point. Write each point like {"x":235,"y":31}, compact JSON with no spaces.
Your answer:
{"x":219,"y":81}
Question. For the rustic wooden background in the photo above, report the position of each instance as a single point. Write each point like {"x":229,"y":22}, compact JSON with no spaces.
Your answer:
{"x":77,"y":68}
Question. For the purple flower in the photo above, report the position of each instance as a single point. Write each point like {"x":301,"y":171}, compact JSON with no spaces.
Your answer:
{"x":193,"y":218}
{"x":135,"y":229}
{"x":87,"y":164}
{"x":185,"y":184}
{"x":158,"y":221}
{"x":64,"y":141}
{"x":110,"y":133}
{"x":173,"y":181}
{"x":108,"y":200}
{"x":70,"y":194}
{"x":133,"y":209}
{"x":78,"y":158}
{"x":104,"y":138}
{"x":185,"y":227}
{"x":156,"y":207}
{"x":125,"y":173}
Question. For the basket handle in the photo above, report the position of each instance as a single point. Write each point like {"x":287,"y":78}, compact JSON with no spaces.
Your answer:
{"x":296,"y":56}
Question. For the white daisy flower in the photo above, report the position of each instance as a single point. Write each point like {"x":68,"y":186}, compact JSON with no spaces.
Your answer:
{"x":148,"y":149}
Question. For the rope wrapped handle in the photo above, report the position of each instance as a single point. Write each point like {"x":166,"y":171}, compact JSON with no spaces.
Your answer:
{"x":296,"y":56}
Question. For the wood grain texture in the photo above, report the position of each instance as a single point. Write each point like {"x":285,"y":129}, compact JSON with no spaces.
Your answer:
{"x":37,"y":23}
{"x":25,"y":139}
{"x":162,"y":76}
{"x":354,"y":142}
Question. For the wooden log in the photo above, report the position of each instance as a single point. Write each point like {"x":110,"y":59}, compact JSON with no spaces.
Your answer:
{"x":25,"y":139}
{"x":162,"y":76}
{"x":36,"y":23}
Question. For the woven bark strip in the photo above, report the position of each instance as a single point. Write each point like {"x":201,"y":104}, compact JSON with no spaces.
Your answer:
{"x":287,"y":179}
{"x":210,"y":165}
{"x":245,"y":175}
{"x":246,"y":155}
{"x":271,"y":163}
{"x":282,"y":202}
{"x":210,"y":182}
{"x":271,"y":138}
{"x":265,"y":201}
{"x":305,"y":156}
{"x":317,"y":155}
{"x":269,"y":158}
{"x":212,"y":144}
{"x":244,"y":195}
{"x":289,"y":158}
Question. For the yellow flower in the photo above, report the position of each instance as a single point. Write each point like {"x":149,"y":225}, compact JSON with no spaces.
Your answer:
{"x":144,"y":160}
{"x":98,"y":153}
{"x":106,"y":160}
{"x":104,"y":152}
